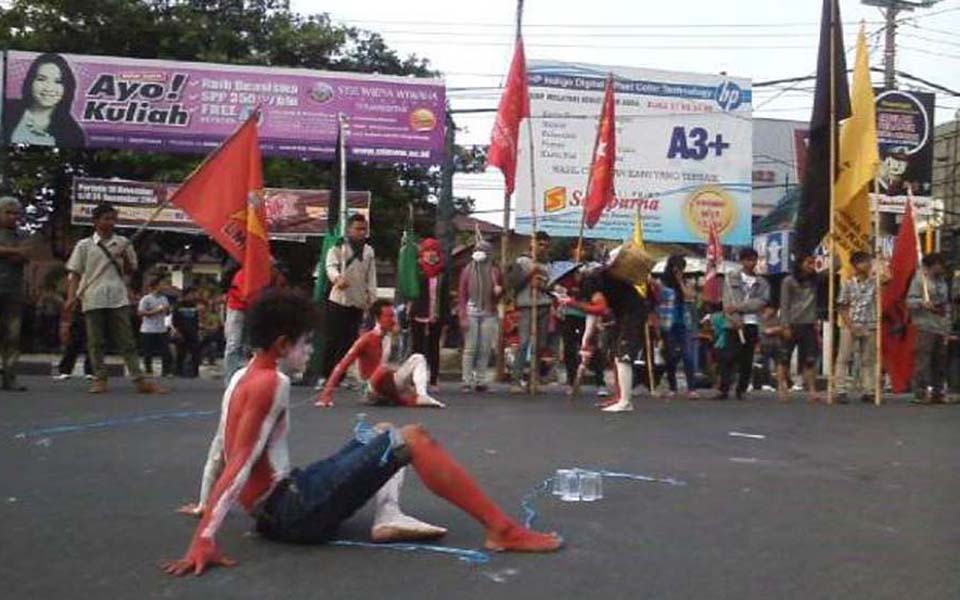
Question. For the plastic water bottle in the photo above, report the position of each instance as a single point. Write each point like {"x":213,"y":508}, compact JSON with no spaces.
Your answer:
{"x":363,"y":431}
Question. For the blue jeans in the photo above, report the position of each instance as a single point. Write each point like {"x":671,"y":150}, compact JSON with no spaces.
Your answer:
{"x":308,"y":506}
{"x":481,"y":335}
{"x":678,"y":348}
{"x":235,"y":352}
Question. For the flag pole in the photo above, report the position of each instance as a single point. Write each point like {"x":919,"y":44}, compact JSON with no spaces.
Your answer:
{"x":916,"y":236}
{"x":877,"y":264}
{"x":583,"y":204}
{"x":534,"y":283}
{"x":342,"y":124}
{"x":831,"y":155}
{"x":505,"y":241}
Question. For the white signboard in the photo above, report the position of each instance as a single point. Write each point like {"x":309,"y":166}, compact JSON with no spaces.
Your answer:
{"x":684,"y":152}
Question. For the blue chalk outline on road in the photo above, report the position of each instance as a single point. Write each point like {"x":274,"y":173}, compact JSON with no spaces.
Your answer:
{"x":530,"y":513}
{"x":107,"y":423}
{"x":474,"y":557}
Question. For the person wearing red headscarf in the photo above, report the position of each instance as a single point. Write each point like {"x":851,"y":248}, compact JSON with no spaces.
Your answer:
{"x":427,"y":311}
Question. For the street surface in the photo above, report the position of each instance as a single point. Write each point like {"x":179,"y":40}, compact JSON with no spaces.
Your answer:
{"x":832,"y":502}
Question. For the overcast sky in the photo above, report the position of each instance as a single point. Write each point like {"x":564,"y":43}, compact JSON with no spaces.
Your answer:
{"x":471,"y":44}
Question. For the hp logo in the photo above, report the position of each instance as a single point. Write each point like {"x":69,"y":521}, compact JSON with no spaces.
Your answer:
{"x":729,"y":95}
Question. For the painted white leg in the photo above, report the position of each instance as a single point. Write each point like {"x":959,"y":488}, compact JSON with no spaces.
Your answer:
{"x":390,"y":524}
{"x":625,"y":382}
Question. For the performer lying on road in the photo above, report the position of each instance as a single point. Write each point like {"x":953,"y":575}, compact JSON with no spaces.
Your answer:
{"x":405,"y":385}
{"x":307,"y":505}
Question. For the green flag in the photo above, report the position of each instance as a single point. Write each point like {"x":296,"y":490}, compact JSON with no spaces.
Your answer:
{"x":408,"y":281}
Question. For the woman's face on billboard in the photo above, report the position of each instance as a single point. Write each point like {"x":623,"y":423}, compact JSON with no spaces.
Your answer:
{"x":47,"y":87}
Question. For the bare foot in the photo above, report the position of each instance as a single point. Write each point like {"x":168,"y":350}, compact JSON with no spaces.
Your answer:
{"x":427,"y":401}
{"x":405,"y":529}
{"x":521,"y":539}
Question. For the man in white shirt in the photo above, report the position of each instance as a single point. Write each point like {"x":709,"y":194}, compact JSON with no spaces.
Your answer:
{"x":352,"y":270}
{"x":97,"y":267}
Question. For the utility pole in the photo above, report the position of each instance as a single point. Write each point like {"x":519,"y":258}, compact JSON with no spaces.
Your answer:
{"x":890,"y":9}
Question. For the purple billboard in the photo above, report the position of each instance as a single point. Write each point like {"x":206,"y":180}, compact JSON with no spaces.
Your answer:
{"x":70,"y":100}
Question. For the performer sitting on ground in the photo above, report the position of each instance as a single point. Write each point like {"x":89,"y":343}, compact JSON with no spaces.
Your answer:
{"x":609,"y":296}
{"x":405,"y":385}
{"x":390,"y":524}
{"x":307,"y":505}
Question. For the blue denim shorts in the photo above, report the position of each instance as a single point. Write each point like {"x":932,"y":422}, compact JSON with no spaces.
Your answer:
{"x":308,"y":506}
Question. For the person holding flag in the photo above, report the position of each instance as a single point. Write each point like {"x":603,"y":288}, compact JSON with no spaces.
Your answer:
{"x":224,"y":196}
{"x":929,"y":302}
{"x":96,"y":272}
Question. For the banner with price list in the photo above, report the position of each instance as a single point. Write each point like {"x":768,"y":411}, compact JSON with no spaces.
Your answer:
{"x":684,"y":152}
{"x":191,"y":107}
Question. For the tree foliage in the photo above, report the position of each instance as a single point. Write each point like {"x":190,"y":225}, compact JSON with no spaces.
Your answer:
{"x":255,"y":32}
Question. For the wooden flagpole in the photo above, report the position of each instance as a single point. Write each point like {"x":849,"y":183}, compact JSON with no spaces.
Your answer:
{"x":583,"y":205}
{"x":534,"y":282}
{"x":832,"y":156}
{"x":877,"y":268}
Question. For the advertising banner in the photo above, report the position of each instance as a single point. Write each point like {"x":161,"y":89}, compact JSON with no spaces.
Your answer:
{"x":169,"y":106}
{"x":290,"y":213}
{"x":683,"y":152}
{"x":905,"y":135}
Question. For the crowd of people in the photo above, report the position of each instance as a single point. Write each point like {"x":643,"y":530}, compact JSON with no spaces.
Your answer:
{"x":591,"y":326}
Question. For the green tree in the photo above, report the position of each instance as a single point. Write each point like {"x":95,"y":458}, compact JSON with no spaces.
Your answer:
{"x":258,"y":32}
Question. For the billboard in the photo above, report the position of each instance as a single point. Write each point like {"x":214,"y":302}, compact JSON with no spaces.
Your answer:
{"x":70,"y":100}
{"x":905,"y":135}
{"x":291,"y":214}
{"x":684,"y":152}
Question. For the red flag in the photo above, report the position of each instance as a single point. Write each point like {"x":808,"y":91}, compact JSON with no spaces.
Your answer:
{"x":711,"y":286}
{"x":224,"y":196}
{"x":898,"y":332}
{"x":600,"y":182}
{"x":514,"y":106}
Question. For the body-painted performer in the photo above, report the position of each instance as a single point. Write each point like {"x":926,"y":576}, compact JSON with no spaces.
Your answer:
{"x":405,"y":385}
{"x":307,"y":505}
{"x":390,"y":523}
{"x":606,"y":296}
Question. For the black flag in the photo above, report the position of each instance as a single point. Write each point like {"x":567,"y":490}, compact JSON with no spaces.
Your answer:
{"x":813,"y":216}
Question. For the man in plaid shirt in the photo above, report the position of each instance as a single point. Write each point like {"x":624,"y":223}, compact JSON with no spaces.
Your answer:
{"x":858,"y":333}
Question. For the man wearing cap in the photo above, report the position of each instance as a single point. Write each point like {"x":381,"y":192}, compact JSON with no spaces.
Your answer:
{"x":12,"y":259}
{"x":97,"y":267}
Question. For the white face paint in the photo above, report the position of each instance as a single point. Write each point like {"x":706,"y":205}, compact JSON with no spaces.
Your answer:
{"x":297,"y":357}
{"x":479,"y":256}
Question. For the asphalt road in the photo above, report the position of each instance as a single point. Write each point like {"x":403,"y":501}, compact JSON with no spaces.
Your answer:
{"x":834,"y":502}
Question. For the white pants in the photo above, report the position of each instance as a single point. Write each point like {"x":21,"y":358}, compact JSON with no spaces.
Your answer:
{"x":413,"y":373}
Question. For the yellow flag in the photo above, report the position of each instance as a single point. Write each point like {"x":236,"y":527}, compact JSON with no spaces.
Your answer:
{"x":858,"y":161}
{"x":638,"y":241}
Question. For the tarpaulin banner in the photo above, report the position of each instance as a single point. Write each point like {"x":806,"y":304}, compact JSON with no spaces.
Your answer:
{"x":290,"y":213}
{"x":684,"y":152}
{"x":70,"y":100}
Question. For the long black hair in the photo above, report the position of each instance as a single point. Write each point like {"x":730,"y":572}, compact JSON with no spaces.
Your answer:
{"x":64,"y":129}
{"x":676,"y":261}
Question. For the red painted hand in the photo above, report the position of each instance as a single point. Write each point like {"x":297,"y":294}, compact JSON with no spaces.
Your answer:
{"x":203,"y":553}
